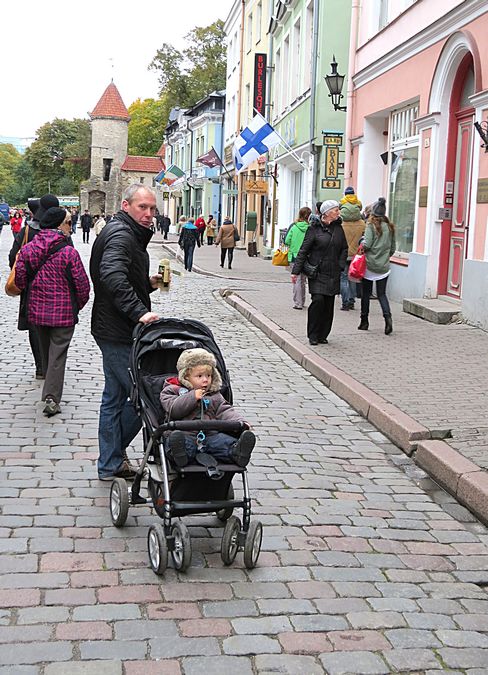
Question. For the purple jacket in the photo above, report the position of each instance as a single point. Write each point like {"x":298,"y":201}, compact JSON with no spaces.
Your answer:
{"x":60,"y":289}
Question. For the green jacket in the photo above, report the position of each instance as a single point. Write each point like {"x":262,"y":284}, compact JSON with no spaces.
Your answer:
{"x":379,"y":249}
{"x":294,"y":239}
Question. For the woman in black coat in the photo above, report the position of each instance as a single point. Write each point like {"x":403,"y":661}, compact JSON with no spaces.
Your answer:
{"x":324,"y":245}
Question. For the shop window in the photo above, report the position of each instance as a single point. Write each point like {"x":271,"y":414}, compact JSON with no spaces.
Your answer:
{"x":403,"y":172}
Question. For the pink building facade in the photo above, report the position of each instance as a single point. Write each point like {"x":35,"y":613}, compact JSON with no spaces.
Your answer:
{"x":420,"y":82}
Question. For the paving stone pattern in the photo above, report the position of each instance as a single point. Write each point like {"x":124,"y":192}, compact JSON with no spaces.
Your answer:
{"x":366,"y":566}
{"x":436,"y":374}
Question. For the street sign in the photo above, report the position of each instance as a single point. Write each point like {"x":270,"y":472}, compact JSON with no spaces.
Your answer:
{"x":256,"y":187}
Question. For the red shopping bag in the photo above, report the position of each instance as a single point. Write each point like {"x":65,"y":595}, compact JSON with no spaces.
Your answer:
{"x":357,"y":268}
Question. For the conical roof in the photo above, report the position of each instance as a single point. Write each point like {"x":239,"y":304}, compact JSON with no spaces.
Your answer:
{"x":111,"y":105}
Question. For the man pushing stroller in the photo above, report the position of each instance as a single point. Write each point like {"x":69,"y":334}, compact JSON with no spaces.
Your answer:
{"x":195,"y":395}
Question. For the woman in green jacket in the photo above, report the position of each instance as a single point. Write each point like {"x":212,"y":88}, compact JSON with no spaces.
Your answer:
{"x":294,"y":240}
{"x":379,"y":245}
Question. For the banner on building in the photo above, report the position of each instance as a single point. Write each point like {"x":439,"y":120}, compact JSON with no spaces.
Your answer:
{"x":259,"y":93}
{"x":253,"y":141}
{"x":210,"y":159}
{"x":170,"y":176}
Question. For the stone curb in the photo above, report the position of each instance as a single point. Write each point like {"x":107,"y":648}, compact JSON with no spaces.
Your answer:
{"x":463,"y":479}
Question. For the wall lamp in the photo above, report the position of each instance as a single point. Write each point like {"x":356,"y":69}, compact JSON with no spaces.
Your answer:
{"x":335,"y":82}
{"x":482,"y":129}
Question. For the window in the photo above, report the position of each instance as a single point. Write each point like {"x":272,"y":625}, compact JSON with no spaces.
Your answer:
{"x":307,"y":54}
{"x":259,"y":17}
{"x":277,"y":82}
{"x":286,"y":79}
{"x":383,"y":14}
{"x":247,"y":103}
{"x":403,"y":169}
{"x":249,"y":33}
{"x":107,"y":166}
{"x":141,"y":180}
{"x":295,"y":74}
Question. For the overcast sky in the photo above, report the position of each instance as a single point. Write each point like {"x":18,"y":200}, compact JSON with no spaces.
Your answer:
{"x":55,"y":55}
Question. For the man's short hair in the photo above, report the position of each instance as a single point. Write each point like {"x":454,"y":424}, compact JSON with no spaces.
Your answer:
{"x":129,"y":192}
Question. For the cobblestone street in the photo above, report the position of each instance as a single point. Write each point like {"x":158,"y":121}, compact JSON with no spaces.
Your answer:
{"x":367,"y":566}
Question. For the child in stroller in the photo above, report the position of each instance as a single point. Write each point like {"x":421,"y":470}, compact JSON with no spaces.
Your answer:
{"x":195,"y":395}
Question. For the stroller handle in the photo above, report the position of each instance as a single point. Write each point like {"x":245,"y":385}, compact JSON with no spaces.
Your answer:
{"x":200,"y":425}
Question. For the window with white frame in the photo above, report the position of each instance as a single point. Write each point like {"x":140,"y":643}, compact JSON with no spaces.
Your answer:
{"x":259,"y":18}
{"x":249,"y":33}
{"x":295,"y":65}
{"x":285,"y":79}
{"x":403,"y":158}
{"x":307,"y":52}
{"x":277,"y":83}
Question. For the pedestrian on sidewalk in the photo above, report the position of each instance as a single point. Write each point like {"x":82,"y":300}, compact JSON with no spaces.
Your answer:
{"x":210,"y":230}
{"x":86,"y":222}
{"x":294,"y":240}
{"x":16,"y":223}
{"x":201,"y":226}
{"x":100,"y":223}
{"x":58,"y":289}
{"x":165,"y":222}
{"x":227,"y":240}
{"x":324,"y":245}
{"x":188,"y":239}
{"x":74,"y":220}
{"x":379,"y":245}
{"x":181,"y":221}
{"x":38,"y":208}
{"x":353,"y":226}
{"x":119,"y":269}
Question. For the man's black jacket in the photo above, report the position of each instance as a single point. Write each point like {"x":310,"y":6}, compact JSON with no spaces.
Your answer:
{"x":119,"y":270}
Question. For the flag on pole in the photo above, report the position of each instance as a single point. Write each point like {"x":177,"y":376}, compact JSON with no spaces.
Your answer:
{"x":210,"y":159}
{"x":160,"y":177}
{"x":171,"y":175}
{"x":253,"y":141}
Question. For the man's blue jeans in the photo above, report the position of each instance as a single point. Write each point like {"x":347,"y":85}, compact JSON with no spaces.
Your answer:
{"x":189,"y":251}
{"x":119,"y":422}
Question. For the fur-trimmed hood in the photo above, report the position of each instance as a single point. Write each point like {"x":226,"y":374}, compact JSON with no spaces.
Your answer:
{"x":191,"y":358}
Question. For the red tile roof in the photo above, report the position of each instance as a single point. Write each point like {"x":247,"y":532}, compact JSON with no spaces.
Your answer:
{"x":162,"y":151}
{"x":111,"y":105}
{"x":143,"y":164}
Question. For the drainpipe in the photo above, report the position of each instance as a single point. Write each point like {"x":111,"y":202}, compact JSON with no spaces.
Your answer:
{"x":267,"y":114}
{"x":351,"y":69}
{"x":313,"y":96}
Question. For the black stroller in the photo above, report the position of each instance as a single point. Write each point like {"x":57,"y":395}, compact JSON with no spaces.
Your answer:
{"x":192,"y":489}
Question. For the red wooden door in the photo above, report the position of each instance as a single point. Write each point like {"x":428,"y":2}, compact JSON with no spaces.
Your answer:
{"x":460,"y":206}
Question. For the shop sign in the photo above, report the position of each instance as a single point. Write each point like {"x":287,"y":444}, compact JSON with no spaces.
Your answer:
{"x":332,"y":137}
{"x":256,"y":187}
{"x":331,"y":162}
{"x":228,"y":154}
{"x":230,"y":191}
{"x":259,"y":93}
{"x":423,"y":194}
{"x":165,"y":195}
{"x":331,"y":184}
{"x":482,"y":194}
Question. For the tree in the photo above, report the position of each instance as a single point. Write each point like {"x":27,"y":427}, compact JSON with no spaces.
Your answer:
{"x":10,"y":158}
{"x":186,"y":77}
{"x":21,"y":187}
{"x":62,"y":148}
{"x":146,"y":127}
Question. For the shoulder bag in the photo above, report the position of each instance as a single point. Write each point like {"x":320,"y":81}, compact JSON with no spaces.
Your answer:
{"x":10,"y":287}
{"x":237,"y":236}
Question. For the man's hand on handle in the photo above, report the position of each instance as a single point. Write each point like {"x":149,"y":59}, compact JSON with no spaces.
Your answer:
{"x":149,"y":317}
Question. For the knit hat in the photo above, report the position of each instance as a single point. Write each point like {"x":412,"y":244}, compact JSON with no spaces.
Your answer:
{"x":45,"y":203}
{"x":349,"y":191}
{"x":53,"y":218}
{"x":191,"y":358}
{"x":379,"y":208}
{"x":328,"y":205}
{"x":33,"y":205}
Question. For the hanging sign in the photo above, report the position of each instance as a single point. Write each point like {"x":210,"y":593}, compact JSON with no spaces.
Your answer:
{"x":259,"y":93}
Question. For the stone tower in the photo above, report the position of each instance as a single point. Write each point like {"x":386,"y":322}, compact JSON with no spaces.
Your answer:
{"x":110,"y":121}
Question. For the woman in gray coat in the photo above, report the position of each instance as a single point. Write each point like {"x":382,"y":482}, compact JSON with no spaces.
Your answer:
{"x":324,"y":245}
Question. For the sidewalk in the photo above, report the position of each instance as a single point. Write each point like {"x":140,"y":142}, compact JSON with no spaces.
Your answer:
{"x":424,"y":383}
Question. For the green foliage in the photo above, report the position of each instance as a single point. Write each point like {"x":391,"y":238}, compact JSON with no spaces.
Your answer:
{"x":61,"y":149}
{"x":10,"y":158}
{"x":146,"y":127}
{"x":21,"y":187}
{"x":186,"y":77}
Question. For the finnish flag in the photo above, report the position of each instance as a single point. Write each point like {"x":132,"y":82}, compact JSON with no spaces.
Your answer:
{"x":253,"y":141}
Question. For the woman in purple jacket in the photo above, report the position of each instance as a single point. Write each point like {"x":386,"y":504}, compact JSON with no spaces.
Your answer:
{"x":58,"y":288}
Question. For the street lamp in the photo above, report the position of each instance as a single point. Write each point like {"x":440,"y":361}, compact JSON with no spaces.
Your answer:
{"x":334,"y":82}
{"x":482,"y":129}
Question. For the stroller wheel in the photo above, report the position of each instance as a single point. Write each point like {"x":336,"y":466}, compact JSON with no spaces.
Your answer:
{"x":252,"y":546}
{"x":119,"y":501}
{"x":181,"y":553}
{"x":157,"y":548}
{"x":224,"y":514}
{"x":230,"y":540}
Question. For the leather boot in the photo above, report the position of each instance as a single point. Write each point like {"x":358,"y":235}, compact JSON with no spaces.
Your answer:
{"x":388,"y":325}
{"x":364,"y":325}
